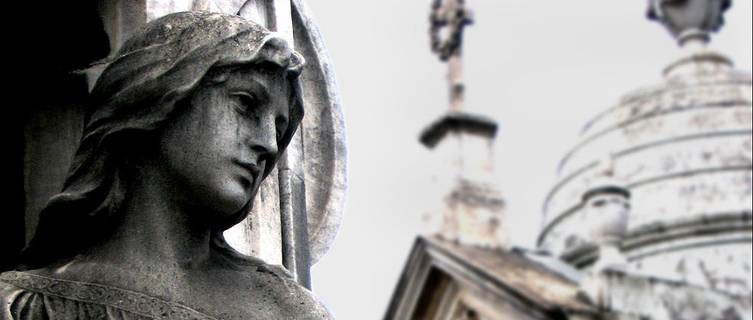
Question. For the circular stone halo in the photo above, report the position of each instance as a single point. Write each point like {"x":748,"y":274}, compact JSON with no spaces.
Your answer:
{"x":324,"y":142}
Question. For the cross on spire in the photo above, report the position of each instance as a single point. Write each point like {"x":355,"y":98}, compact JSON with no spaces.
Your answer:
{"x":474,"y":211}
{"x":448,"y":20}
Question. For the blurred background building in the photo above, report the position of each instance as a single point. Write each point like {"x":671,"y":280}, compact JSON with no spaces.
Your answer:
{"x":651,"y":215}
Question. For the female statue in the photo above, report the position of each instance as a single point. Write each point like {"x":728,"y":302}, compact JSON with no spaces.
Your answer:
{"x":181,"y":129}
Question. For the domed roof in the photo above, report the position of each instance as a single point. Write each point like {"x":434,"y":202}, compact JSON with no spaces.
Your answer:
{"x":683,"y":148}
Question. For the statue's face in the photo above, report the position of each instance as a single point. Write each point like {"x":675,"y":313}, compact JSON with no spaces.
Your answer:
{"x":217,"y":151}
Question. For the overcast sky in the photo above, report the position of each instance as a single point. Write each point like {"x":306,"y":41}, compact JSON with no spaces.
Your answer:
{"x":540,"y":68}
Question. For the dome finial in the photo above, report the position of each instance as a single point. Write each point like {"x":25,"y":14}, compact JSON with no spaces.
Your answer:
{"x":689,"y":21}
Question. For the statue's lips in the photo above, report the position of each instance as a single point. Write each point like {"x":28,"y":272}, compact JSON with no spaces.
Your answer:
{"x":252,"y":168}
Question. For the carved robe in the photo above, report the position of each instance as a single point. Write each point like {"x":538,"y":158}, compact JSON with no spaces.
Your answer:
{"x":31,"y":296}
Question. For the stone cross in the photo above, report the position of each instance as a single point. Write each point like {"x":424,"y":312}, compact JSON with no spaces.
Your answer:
{"x":448,"y":19}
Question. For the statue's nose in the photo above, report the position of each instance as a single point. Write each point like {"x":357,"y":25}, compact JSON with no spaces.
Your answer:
{"x":264,"y":143}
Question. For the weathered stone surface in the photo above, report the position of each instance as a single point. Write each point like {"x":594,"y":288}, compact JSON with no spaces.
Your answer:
{"x":181,"y":130}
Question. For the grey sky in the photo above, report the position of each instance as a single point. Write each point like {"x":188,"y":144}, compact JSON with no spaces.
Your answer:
{"x":541,"y":68}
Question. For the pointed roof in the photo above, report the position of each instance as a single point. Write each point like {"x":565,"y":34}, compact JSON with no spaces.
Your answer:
{"x":502,"y":275}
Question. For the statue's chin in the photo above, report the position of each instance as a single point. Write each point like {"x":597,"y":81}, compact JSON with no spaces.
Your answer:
{"x":234,"y":211}
{"x":224,"y":202}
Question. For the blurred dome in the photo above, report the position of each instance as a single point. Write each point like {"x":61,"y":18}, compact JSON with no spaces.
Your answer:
{"x":683,"y":149}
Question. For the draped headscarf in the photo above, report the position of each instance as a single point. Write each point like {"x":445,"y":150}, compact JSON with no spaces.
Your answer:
{"x":140,"y":91}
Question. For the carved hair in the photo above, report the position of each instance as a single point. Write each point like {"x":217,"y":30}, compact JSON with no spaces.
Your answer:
{"x":139,"y":92}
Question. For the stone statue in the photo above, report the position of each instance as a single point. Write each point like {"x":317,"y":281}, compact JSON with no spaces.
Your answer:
{"x":181,"y":129}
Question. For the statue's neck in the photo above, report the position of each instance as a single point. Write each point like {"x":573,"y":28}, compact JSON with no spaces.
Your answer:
{"x":155,"y":230}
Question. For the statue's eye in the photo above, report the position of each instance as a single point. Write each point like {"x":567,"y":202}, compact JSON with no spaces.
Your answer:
{"x":246,"y":102}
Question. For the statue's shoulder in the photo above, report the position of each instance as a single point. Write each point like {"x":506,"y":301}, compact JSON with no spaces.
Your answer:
{"x":37,"y":294}
{"x":12,"y":296}
{"x":7,"y":286}
{"x":14,"y":281}
{"x":294,"y":301}
{"x":270,"y":292}
{"x":25,"y":295}
{"x":232,"y":259}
